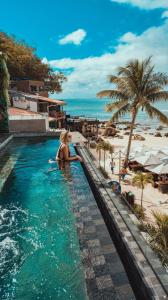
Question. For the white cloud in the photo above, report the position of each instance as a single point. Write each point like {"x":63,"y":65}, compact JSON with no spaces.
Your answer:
{"x":44,"y":60}
{"x":145,"y":4}
{"x":165,"y":14}
{"x":75,"y":37}
{"x":128,"y":37}
{"x":89,"y":75}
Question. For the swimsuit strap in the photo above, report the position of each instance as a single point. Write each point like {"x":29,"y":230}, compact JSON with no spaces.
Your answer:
{"x":59,"y":152}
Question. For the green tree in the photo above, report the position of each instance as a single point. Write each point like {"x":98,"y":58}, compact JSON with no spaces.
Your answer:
{"x":105,"y":147}
{"x":138,"y":87}
{"x":4,"y":97}
{"x":98,"y":149}
{"x":141,"y":180}
{"x":23,"y":63}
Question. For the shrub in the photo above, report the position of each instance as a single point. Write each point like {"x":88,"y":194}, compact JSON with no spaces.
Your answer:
{"x":139,"y":211}
{"x":93,"y":145}
{"x":129,"y":197}
{"x":158,"y":235}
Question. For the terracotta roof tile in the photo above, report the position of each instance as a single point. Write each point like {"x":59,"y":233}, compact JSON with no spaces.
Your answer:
{"x":13,"y":111}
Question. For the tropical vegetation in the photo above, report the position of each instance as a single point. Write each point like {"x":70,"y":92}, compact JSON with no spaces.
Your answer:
{"x":138,"y":87}
{"x":4,"y":97}
{"x":98,"y":149}
{"x":139,"y":211}
{"x":23,"y":63}
{"x":105,"y":146}
{"x":158,"y":236}
{"x":141,"y":180}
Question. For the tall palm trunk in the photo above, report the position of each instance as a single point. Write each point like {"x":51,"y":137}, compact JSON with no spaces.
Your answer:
{"x":130,"y":138}
{"x":142,"y":196}
{"x":4,"y":97}
{"x":99,"y":156}
{"x":104,"y":159}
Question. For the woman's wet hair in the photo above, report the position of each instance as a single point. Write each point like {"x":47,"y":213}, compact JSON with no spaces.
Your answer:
{"x":64,"y":136}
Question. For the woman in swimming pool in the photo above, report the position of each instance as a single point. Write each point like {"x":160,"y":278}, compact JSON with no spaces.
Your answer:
{"x":63,"y":153}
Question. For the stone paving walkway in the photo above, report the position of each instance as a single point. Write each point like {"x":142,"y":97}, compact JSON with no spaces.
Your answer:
{"x":104,"y":272}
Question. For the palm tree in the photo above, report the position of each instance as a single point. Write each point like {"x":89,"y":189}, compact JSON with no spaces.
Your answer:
{"x":98,"y":149}
{"x":4,"y":97}
{"x":138,"y":87}
{"x":141,"y":180}
{"x":105,"y":147}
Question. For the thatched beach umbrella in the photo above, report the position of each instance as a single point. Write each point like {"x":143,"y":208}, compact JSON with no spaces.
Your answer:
{"x":160,"y":169}
{"x":148,"y":159}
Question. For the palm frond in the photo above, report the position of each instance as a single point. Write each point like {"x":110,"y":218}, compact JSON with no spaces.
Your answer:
{"x":99,"y":146}
{"x":147,"y":82}
{"x":154,"y":83}
{"x":141,"y":179}
{"x":124,"y":71}
{"x":126,"y":84}
{"x":123,"y":83}
{"x":147,"y":63}
{"x":115,"y":105}
{"x":113,"y":79}
{"x":151,"y":89}
{"x":158,"y":96}
{"x":111,"y":94}
{"x":103,"y":146}
{"x":120,"y":112}
{"x":153,"y":112}
{"x":160,"y":78}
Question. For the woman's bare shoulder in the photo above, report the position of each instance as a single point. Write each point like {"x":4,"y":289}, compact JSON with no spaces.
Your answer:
{"x":64,"y":146}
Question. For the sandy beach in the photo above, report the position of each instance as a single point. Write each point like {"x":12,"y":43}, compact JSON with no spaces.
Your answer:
{"x":154,"y":200}
{"x":152,"y":142}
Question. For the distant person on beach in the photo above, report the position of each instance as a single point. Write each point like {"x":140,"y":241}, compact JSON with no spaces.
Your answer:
{"x":63,"y":153}
{"x":112,"y":165}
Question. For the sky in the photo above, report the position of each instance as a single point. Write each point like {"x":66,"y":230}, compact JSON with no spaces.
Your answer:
{"x":88,"y":39}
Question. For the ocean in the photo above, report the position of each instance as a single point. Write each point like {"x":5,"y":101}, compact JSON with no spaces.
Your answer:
{"x":95,"y":108}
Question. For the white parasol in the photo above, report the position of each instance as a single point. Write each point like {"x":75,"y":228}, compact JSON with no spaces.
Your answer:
{"x":160,"y":169}
{"x":148,"y":159}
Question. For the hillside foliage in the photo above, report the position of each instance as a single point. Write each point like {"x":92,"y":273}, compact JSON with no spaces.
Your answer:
{"x":23,"y":63}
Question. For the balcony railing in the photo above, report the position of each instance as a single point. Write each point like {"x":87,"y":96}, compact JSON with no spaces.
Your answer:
{"x":57,"y":114}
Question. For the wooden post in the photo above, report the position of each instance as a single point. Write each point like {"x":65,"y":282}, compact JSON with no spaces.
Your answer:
{"x":119,"y":166}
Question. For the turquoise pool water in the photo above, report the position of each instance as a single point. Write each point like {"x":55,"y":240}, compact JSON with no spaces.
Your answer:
{"x":39,"y":249}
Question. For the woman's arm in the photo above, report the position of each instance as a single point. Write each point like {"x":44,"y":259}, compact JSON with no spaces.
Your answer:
{"x":67,"y":157}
